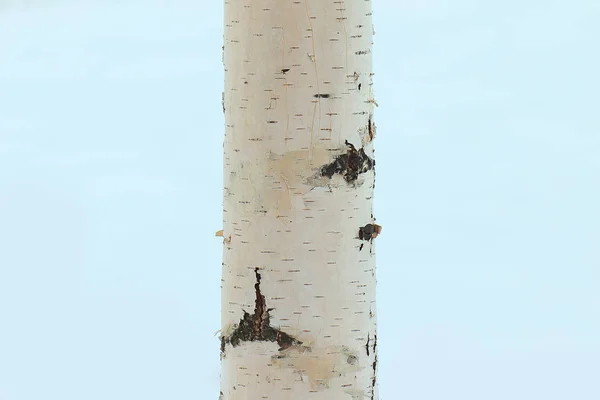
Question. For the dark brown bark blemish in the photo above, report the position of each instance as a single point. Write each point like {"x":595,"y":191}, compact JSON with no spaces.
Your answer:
{"x":374,"y":365}
{"x":350,"y":164}
{"x":322,"y":96}
{"x":371,"y":128}
{"x":374,"y":380}
{"x":375,"y":344}
{"x":256,"y":327}
{"x":369,"y":232}
{"x":284,"y":70}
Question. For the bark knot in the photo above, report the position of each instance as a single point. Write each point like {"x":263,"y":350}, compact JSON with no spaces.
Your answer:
{"x":350,"y":164}
{"x":256,"y":326}
{"x":369,"y":232}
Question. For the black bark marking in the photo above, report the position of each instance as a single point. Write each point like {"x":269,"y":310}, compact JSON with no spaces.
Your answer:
{"x":284,"y":70}
{"x":367,"y":345}
{"x":350,"y":165}
{"x":359,"y":86}
{"x":371,"y":128}
{"x":369,"y":232}
{"x":256,"y":327}
{"x":361,"y":247}
{"x":374,"y":379}
{"x":375,"y":344}
{"x":322,"y":96}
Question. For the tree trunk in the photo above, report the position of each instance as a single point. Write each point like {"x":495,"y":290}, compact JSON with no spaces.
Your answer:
{"x":298,"y":285}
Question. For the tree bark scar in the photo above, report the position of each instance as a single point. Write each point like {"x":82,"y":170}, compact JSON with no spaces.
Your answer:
{"x":374,"y":379}
{"x":369,"y":232}
{"x":260,"y":311}
{"x":257,"y":327}
{"x":371,"y":129}
{"x":350,"y":164}
{"x":375,"y":344}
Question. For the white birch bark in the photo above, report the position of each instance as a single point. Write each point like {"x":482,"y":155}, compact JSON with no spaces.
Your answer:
{"x":298,"y":283}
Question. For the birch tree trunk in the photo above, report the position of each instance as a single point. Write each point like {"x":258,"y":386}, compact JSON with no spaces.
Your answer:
{"x":298,"y":283}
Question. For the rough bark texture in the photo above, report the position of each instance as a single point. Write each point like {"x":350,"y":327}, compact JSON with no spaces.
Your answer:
{"x":298,"y":286}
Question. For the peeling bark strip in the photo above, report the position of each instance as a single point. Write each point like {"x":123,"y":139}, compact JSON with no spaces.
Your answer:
{"x":256,"y":327}
{"x":350,"y":165}
{"x":369,"y":232}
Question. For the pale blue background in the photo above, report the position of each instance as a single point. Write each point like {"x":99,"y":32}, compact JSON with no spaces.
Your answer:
{"x":488,"y":189}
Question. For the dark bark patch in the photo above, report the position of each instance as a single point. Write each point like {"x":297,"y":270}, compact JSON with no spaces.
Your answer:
{"x":374,"y":379}
{"x":256,"y":327}
{"x":322,"y":96}
{"x":375,"y":345}
{"x":284,"y":70}
{"x":350,"y":164}
{"x":369,"y":232}
{"x":374,"y":365}
{"x":371,"y":129}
